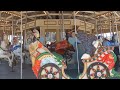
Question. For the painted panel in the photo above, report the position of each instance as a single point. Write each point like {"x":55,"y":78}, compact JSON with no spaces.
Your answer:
{"x":66,"y":22}
{"x":50,"y":23}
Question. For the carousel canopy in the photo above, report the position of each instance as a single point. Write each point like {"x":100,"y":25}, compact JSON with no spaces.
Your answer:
{"x":9,"y":18}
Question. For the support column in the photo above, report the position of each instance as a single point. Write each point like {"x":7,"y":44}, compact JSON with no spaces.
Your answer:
{"x":42,"y":33}
{"x":57,"y":35}
{"x":21,"y":29}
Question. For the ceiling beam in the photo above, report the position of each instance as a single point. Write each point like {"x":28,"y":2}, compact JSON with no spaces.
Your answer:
{"x":101,"y":13}
{"x":116,"y":14}
{"x":77,"y":12}
{"x":88,"y":11}
{"x":28,"y":11}
{"x":32,"y":17}
{"x":48,"y":14}
{"x":15,"y":12}
{"x":9,"y":17}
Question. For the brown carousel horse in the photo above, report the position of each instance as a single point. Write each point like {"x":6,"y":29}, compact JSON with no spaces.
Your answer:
{"x":63,"y":48}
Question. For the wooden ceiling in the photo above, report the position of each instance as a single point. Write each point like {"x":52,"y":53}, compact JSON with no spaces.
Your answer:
{"x":9,"y":17}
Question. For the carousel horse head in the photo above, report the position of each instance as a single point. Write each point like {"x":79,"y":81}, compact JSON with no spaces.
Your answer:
{"x":4,"y":42}
{"x":5,"y":38}
{"x":3,"y":45}
{"x":36,"y":33}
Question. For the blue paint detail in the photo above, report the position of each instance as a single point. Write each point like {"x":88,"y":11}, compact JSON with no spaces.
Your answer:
{"x":15,"y":48}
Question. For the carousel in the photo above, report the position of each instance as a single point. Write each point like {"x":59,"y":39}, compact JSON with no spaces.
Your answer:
{"x":52,"y":42}
{"x":95,"y":60}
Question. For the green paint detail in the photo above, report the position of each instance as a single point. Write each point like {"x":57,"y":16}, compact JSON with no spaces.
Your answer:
{"x":42,"y":54}
{"x":57,"y":57}
{"x":115,"y":57}
{"x":115,"y":74}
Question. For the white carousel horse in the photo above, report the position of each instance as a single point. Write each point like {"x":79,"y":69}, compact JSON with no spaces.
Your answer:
{"x":16,"y":50}
{"x":4,"y":53}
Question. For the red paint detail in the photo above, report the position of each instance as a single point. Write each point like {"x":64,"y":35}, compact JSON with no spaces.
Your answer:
{"x":109,"y":60}
{"x":36,"y":67}
{"x":38,"y":54}
{"x":62,"y":45}
{"x":40,"y":45}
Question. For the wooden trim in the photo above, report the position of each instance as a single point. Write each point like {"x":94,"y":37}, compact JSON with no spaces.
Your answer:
{"x":31,"y":24}
{"x":50,"y":30}
{"x":60,"y":22}
{"x":50,"y":23}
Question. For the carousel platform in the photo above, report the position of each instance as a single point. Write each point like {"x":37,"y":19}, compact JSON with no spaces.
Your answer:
{"x":6,"y":71}
{"x":28,"y":73}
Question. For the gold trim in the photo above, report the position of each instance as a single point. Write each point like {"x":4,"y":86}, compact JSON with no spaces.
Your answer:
{"x":84,"y":72}
{"x":63,"y":73}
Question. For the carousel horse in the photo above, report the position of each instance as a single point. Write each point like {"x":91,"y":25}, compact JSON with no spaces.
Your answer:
{"x":16,"y":49}
{"x":100,"y":65}
{"x":41,"y":56}
{"x":63,"y":48}
{"x":104,"y":57}
{"x":4,"y":52}
{"x":92,"y":49}
{"x":84,"y":46}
